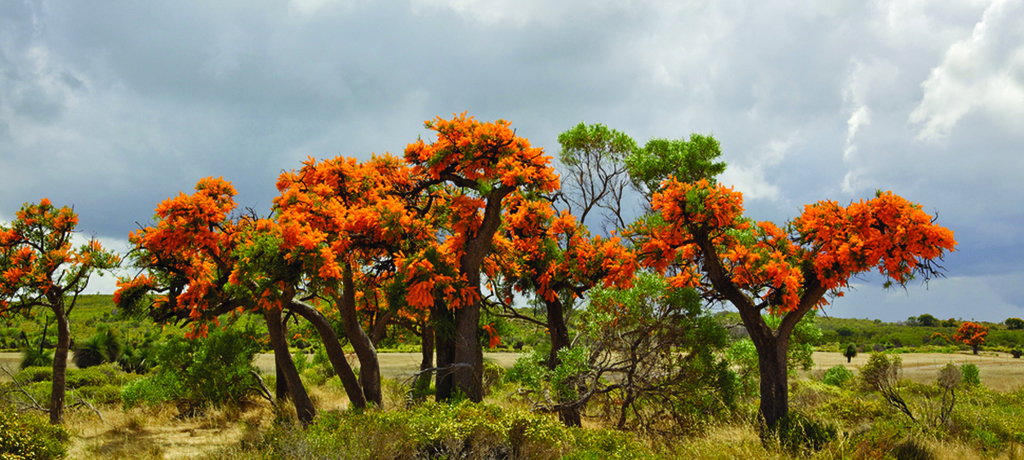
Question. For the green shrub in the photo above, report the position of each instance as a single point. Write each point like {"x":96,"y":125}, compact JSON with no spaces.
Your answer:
{"x":461,"y":430}
{"x":32,"y":357}
{"x":798,"y":433}
{"x":35,"y":374}
{"x":837,"y":376}
{"x":194,"y":373}
{"x":30,"y":437}
{"x":102,"y":347}
{"x":912,"y":450}
{"x":972,"y":376}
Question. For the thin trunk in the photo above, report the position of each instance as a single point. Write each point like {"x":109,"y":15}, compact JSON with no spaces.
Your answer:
{"x":303,"y":406}
{"x":569,"y":415}
{"x":60,"y":365}
{"x":335,"y":353}
{"x":280,"y":383}
{"x":369,"y":366}
{"x":427,"y":341}
{"x":558,"y":330}
{"x":443,"y":325}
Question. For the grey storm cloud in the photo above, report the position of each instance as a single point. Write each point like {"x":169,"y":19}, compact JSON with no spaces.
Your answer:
{"x":115,"y":106}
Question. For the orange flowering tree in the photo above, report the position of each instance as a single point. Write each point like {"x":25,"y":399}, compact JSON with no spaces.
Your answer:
{"x":972,"y":334}
{"x":196,"y":263}
{"x":555,"y":258}
{"x":473,"y":166}
{"x":349,"y":226}
{"x":40,"y":267}
{"x":700,"y":235}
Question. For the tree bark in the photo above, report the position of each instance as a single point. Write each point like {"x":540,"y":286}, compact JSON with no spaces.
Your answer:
{"x":369,"y":366}
{"x":303,"y":406}
{"x":60,"y":364}
{"x":570,"y":414}
{"x":281,"y":391}
{"x":467,"y":351}
{"x":427,"y":344}
{"x":335,"y":353}
{"x":443,"y":325}
{"x":774,"y":381}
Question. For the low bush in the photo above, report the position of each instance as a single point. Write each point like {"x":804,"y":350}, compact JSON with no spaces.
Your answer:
{"x":437,"y":430}
{"x":972,"y":376}
{"x":30,"y":437}
{"x":837,"y":376}
{"x":194,"y":373}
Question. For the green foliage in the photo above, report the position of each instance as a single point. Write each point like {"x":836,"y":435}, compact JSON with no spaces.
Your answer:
{"x":972,"y":375}
{"x":837,"y":376}
{"x":797,"y":433}
{"x":850,"y":352}
{"x":882,"y":373}
{"x":528,"y":370}
{"x":687,"y":161}
{"x":1014,"y":323}
{"x":33,"y":357}
{"x":29,"y":437}
{"x":912,"y":450}
{"x":195,"y":373}
{"x":461,"y":430}
{"x":743,"y":355}
{"x":103,"y":347}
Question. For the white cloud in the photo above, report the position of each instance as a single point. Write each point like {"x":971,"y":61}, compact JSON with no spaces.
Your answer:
{"x":982,"y":73}
{"x":751,"y":176}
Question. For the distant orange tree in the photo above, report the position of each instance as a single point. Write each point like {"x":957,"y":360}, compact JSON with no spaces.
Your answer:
{"x":972,"y":334}
{"x":698,"y":234}
{"x":39,"y":267}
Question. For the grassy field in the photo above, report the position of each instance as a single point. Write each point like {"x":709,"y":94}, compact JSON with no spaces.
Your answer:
{"x":162,"y":433}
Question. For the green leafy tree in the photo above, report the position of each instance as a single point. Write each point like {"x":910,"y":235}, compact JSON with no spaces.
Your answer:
{"x":41,"y":268}
{"x":850,"y":352}
{"x":1014,"y":323}
{"x":927,"y":320}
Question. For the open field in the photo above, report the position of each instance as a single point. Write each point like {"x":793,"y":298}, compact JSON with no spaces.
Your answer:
{"x":999,"y":371}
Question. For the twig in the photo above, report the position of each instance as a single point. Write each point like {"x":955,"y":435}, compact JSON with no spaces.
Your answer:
{"x":87,"y":404}
{"x":35,"y":404}
{"x":264,"y":392}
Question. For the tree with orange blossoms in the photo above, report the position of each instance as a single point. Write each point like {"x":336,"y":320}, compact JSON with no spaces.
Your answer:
{"x":972,"y":334}
{"x":485,"y":162}
{"x":555,"y":258}
{"x":700,"y":232}
{"x":197,"y":263}
{"x":347,"y":221}
{"x":39,"y":267}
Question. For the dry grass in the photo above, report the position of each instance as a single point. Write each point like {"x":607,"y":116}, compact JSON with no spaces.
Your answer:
{"x":161,"y":433}
{"x":999,"y":371}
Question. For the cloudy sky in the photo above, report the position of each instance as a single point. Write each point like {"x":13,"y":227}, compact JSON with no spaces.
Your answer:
{"x":114,"y":106}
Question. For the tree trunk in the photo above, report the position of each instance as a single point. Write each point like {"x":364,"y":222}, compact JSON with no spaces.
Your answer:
{"x":558,"y":330}
{"x":443,"y":325}
{"x":335,"y":353}
{"x":771,"y":360}
{"x":281,"y":391}
{"x":60,"y":365}
{"x":569,"y":415}
{"x":974,"y":348}
{"x":466,"y":377}
{"x":427,"y":341}
{"x":369,"y":366}
{"x":303,"y":406}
